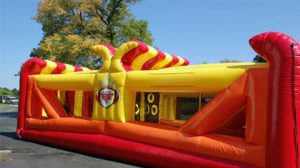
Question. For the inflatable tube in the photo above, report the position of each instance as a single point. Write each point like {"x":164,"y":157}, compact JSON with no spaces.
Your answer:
{"x":283,"y":54}
{"x":108,"y":146}
{"x":150,"y":107}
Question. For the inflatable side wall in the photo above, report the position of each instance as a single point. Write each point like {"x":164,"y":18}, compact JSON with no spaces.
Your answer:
{"x":150,"y":107}
{"x":283,"y":55}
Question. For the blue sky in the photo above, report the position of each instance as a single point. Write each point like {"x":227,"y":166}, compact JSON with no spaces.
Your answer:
{"x":199,"y":30}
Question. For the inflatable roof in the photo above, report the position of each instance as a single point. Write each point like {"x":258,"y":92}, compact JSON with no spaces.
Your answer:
{"x":149,"y":107}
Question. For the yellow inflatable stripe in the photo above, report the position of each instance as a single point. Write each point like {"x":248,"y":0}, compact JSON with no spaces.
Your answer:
{"x":102,"y":51}
{"x":124,"y":48}
{"x":229,"y":65}
{"x":59,"y":95}
{"x":62,"y":97}
{"x":44,"y":114}
{"x":66,"y":81}
{"x":99,"y":113}
{"x":163,"y":62}
{"x":138,"y":62}
{"x":179,"y":63}
{"x":85,"y":69}
{"x":69,"y":68}
{"x":49,"y":67}
{"x":183,"y":80}
{"x":78,"y":103}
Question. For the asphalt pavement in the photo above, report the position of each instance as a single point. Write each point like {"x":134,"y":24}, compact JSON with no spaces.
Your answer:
{"x":16,"y":153}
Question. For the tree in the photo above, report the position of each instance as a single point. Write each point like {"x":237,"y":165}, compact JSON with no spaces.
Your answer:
{"x":6,"y":91}
{"x":229,"y":61}
{"x":71,"y":27}
{"x":15,"y":92}
{"x":259,"y":58}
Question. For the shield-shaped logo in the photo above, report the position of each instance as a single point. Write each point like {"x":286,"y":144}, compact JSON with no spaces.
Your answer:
{"x":107,"y":96}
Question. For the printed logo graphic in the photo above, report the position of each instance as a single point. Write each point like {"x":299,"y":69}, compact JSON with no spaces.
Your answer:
{"x":107,"y":97}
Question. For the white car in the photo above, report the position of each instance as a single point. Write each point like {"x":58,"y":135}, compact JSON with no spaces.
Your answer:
{"x":11,"y":100}
{"x":14,"y":101}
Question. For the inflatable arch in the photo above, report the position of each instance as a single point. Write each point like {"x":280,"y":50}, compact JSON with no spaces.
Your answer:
{"x":149,"y":107}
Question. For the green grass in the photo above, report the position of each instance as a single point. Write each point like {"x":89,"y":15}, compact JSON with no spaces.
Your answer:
{"x":4,"y":105}
{"x":4,"y":158}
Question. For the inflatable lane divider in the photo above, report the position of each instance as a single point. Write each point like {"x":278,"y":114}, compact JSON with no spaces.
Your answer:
{"x":283,"y":132}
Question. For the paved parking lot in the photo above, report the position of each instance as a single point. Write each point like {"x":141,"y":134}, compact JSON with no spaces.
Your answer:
{"x":22,"y":154}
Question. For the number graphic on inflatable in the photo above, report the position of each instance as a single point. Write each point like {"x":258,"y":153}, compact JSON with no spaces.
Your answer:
{"x":154,"y":110}
{"x":137,"y":109}
{"x":150,"y":98}
{"x":137,"y":116}
{"x":152,"y":107}
{"x":147,"y":110}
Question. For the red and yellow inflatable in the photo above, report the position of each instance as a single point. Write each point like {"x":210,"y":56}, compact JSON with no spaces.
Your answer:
{"x":147,"y":106}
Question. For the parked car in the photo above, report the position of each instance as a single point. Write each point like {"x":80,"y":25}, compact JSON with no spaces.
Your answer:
{"x":14,"y":101}
{"x":10,"y":100}
{"x":3,"y":98}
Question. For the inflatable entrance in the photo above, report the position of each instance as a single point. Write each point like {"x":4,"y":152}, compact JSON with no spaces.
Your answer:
{"x":149,"y":107}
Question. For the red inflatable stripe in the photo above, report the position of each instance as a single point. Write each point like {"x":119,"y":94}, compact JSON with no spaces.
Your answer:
{"x":186,"y":62}
{"x":127,"y":67}
{"x":128,"y":58}
{"x":77,"y":68}
{"x":175,"y":60}
{"x":37,"y":65}
{"x":59,"y":68}
{"x":150,"y":63}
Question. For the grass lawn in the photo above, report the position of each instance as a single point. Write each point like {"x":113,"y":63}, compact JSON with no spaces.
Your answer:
{"x":4,"y":105}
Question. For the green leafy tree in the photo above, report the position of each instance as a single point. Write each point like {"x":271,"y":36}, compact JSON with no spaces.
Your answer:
{"x":229,"y":61}
{"x":71,"y":27}
{"x":15,"y":92}
{"x":259,"y":58}
{"x":6,"y":91}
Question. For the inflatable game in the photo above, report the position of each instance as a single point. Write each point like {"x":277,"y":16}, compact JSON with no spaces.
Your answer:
{"x":152,"y":108}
